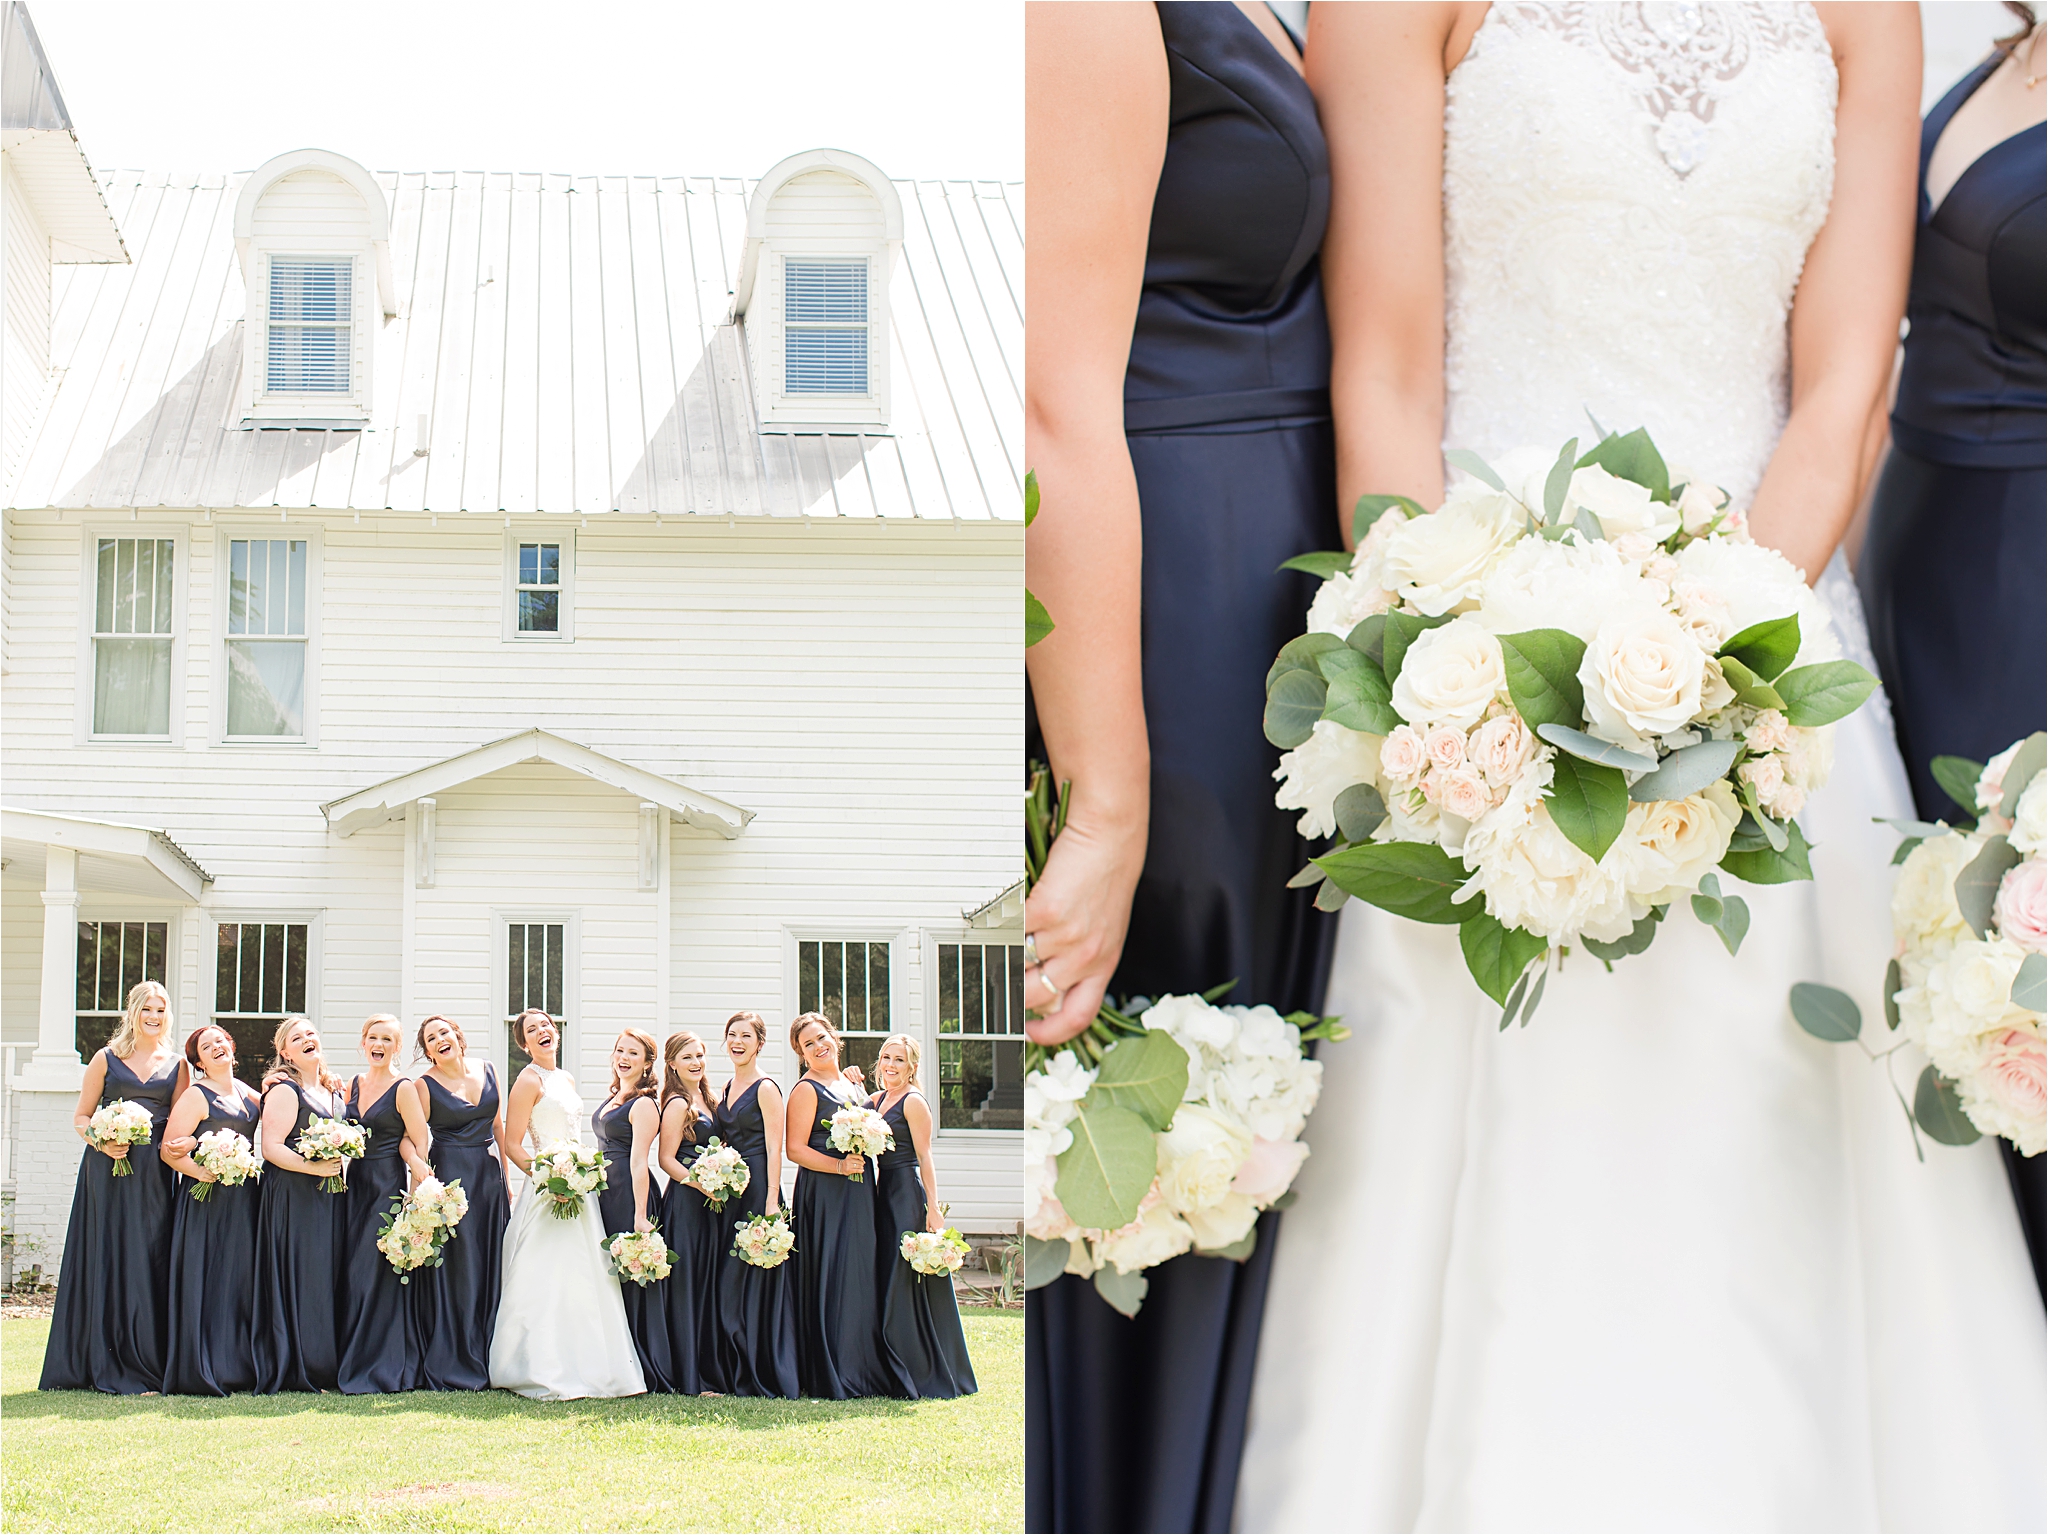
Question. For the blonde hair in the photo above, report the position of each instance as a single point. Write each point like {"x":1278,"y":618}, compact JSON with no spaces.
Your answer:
{"x":130,"y":1030}
{"x":675,"y":1085}
{"x":282,"y":1070}
{"x":803,"y":1021}
{"x":372,"y":1021}
{"x":650,"y":1049}
{"x":910,"y":1049}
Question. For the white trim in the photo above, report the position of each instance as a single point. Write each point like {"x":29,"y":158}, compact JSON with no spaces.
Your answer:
{"x":571,"y":918}
{"x":271,"y":171}
{"x":217,"y":704}
{"x":90,"y":533}
{"x":933,"y":937}
{"x":136,"y":846}
{"x":260,"y":403}
{"x":316,"y":922}
{"x":565,"y":634}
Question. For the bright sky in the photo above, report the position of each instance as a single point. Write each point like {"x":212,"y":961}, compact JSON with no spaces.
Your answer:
{"x":924,"y":88}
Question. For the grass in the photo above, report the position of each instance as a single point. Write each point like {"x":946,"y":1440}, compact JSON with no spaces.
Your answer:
{"x":76,"y":1460}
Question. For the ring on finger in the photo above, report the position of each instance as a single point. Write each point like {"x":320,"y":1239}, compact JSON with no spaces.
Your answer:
{"x":1031,"y":950}
{"x":1046,"y":979}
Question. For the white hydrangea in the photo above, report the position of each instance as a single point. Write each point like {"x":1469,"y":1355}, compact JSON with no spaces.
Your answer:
{"x":1312,"y":775}
{"x":1573,"y":585}
{"x":2027,"y":832}
{"x":1756,"y":584}
{"x":1924,"y":910}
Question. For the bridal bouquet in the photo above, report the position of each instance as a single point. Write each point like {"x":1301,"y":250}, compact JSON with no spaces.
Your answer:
{"x":418,"y":1225}
{"x":332,"y":1140}
{"x":120,"y":1123}
{"x":228,"y":1155}
{"x":762,"y":1240}
{"x":934,"y":1252}
{"x":1174,"y":1143}
{"x":564,"y":1172}
{"x":1572,"y":695}
{"x":862,"y":1132}
{"x":719,"y":1173}
{"x":641,"y":1256}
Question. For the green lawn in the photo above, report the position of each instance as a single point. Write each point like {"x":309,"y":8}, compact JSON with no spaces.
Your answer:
{"x":76,"y":1460}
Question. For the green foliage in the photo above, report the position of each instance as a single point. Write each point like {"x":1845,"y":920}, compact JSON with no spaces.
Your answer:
{"x":1542,"y":668}
{"x":2030,"y":986}
{"x":1497,"y":956}
{"x":1293,"y":705}
{"x":1766,"y":648}
{"x":1977,"y":886}
{"x":1030,"y":497}
{"x":1770,"y":865}
{"x":1589,"y":803}
{"x":1360,"y":810}
{"x":1474,"y":465}
{"x":1125,"y":1292}
{"x":1589,"y":748}
{"x":1146,"y":1074}
{"x":1892,"y":982}
{"x":1938,"y":1109}
{"x":1826,"y":1013}
{"x":1632,"y":457}
{"x":1110,"y":1165}
{"x":1559,"y":481}
{"x":1359,"y":697}
{"x":1369,"y":639}
{"x":1323,"y":564}
{"x":2030,"y":759}
{"x":1299,"y":655}
{"x":1370,"y":508}
{"x":1958,"y":779}
{"x":1402,"y":630}
{"x":1416,"y":880}
{"x":1237,"y":1251}
{"x":1044,"y":1261}
{"x":1639,"y":938}
{"x":1824,"y":693}
{"x":1686,"y":771}
{"x":1727,"y":915}
{"x":1749,"y":687}
{"x":1037,"y":622}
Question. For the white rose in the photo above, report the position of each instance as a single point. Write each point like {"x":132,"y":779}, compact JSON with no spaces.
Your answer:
{"x":1224,"y":1222}
{"x":1699,"y":503}
{"x":1756,"y":584}
{"x":1621,"y":505}
{"x":1311,"y":776}
{"x":1670,"y":844}
{"x":1642,"y":675}
{"x":2027,"y":830}
{"x":1449,"y":676}
{"x":1977,"y":977}
{"x":1344,"y":602}
{"x":1572,"y":585}
{"x":1441,"y":561}
{"x":1199,"y":1156}
{"x":1924,"y":907}
{"x":1190,"y":1020}
{"x":1702,"y":611}
{"x":1151,"y":1239}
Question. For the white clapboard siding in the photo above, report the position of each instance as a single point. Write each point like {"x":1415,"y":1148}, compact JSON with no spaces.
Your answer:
{"x":310,"y":204}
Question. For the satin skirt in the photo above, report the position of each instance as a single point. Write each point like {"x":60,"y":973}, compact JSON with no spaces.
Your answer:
{"x":756,"y":1307}
{"x":839,"y":1348}
{"x":646,"y":1305}
{"x":111,"y":1323}
{"x":920,"y":1318}
{"x":213,"y":1291}
{"x":301,"y":1244}
{"x":689,"y":1294}
{"x":380,"y":1349}
{"x":561,"y":1327}
{"x":1658,"y":1261}
{"x":455,"y":1306}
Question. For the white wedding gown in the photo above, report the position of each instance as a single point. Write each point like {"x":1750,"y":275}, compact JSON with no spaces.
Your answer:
{"x":1660,"y":1260}
{"x":561,"y":1322}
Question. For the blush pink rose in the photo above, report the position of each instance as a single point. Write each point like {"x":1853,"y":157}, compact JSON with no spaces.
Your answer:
{"x":1768,"y":732}
{"x":1635,"y":546}
{"x":1402,"y":754}
{"x":1501,"y":748}
{"x":1445,"y":747}
{"x":1460,"y":792}
{"x":2017,"y":1074}
{"x":1266,"y":1174}
{"x":2022,"y":909}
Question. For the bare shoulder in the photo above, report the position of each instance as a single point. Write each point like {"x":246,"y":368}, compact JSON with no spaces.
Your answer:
{"x":1867,"y":35}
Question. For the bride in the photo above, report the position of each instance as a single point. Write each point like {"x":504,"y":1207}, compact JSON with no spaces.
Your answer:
{"x":561,"y":1322}
{"x":1659,"y":1260}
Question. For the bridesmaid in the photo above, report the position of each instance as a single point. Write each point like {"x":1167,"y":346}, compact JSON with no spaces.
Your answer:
{"x":1954,"y":570}
{"x":756,"y":1307}
{"x":920,"y":1318}
{"x":1177,"y":383}
{"x":108,"y":1332}
{"x":455,"y":1306}
{"x":840,"y":1351}
{"x":692,"y":1227}
{"x":381,"y":1351}
{"x":301,"y":1229}
{"x":213,"y":1241}
{"x":627,"y":1124}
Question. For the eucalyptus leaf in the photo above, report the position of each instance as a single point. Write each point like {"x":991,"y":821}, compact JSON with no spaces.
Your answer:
{"x":1592,"y":749}
{"x":1749,"y":687}
{"x":2026,"y":762}
{"x":1044,"y":1261}
{"x":1474,"y":465}
{"x":1938,"y":1109}
{"x":1769,"y":828}
{"x":1309,"y":875}
{"x":1748,"y":836}
{"x":1589,"y":525}
{"x":1125,"y":1292}
{"x":1145,"y":1073}
{"x":1370,"y":508}
{"x":1403,"y":629}
{"x":1293,"y":705}
{"x":1497,"y":955}
{"x":1825,"y":692}
{"x":1559,"y":481}
{"x":1331,"y":896}
{"x":1589,"y":803}
{"x":1507,"y":1014}
{"x":1037,"y":622}
{"x":1299,"y":655}
{"x":1104,"y":1174}
{"x":1416,"y":880}
{"x":1733,"y":923}
{"x":1977,"y":885}
{"x":1826,"y":1012}
{"x":2030,"y":986}
{"x":1632,"y":456}
{"x":1535,"y":996}
{"x":1323,"y":564}
{"x":1773,"y":866}
{"x":1892,"y":982}
{"x":1706,"y":902}
{"x":1905,"y":849}
{"x":1359,"y":697}
{"x":1958,"y":779}
{"x":1237,"y":1251}
{"x":1638,"y":939}
{"x":1686,"y":771}
{"x":1542,"y":667}
{"x":1369,"y":639}
{"x":1766,"y":648}
{"x":1910,"y":828}
{"x":1360,"y":810}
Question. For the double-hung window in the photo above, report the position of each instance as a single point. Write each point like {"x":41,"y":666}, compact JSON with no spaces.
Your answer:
{"x":259,"y":981}
{"x":132,"y":631}
{"x":536,"y":956}
{"x":112,"y":958}
{"x":266,"y":638}
{"x":307,"y":341}
{"x":825,"y":327}
{"x":981,"y":1036}
{"x":847,"y":981}
{"x":540,"y":588}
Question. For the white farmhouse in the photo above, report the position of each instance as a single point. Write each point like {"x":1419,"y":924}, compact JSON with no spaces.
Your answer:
{"x":455,"y":592}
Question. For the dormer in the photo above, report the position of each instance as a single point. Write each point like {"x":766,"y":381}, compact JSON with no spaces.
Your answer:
{"x":314,"y":238}
{"x":823,"y":229}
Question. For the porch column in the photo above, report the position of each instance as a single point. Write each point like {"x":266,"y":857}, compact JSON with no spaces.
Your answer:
{"x":55,"y":1067}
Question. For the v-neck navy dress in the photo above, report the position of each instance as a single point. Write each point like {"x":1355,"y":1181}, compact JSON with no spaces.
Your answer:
{"x":920,"y":1317}
{"x":111,"y":1322}
{"x":646,"y":1305}
{"x":1138,"y":1424}
{"x":380,"y":1337}
{"x":694,"y":1231}
{"x":840,"y":1351}
{"x":211,"y":1351}
{"x":756,"y":1307}
{"x":456,"y":1305}
{"x":301,"y":1239}
{"x":1954,"y":571}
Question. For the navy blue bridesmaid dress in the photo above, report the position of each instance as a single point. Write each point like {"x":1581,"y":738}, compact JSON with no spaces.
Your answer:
{"x":301,"y":1239}
{"x":920,"y":1318}
{"x":109,"y":1329}
{"x":380,"y":1348}
{"x":1138,"y":1424}
{"x":693,"y":1230}
{"x":1954,"y":570}
{"x":756,"y":1307}
{"x":212,"y":1350}
{"x":646,"y":1305}
{"x":840,"y":1352}
{"x":455,"y":1306}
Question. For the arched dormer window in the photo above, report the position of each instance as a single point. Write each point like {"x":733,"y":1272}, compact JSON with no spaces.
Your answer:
{"x":823,"y":229}
{"x":313,"y":234}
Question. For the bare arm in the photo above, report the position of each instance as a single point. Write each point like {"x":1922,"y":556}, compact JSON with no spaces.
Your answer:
{"x":646,"y":1123}
{"x":1852,"y":292}
{"x":280,"y":1113}
{"x":1095,"y":136}
{"x":673,"y":1118}
{"x":519,"y":1116}
{"x":919,"y":1117}
{"x":88,"y":1103}
{"x":419,"y":1138}
{"x":185,"y":1116}
{"x":769,"y":1101}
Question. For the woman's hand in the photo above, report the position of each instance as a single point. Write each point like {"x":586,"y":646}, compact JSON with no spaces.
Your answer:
{"x":852,"y":1164}
{"x":933,"y":1221}
{"x":117,"y":1150}
{"x":325,"y":1169}
{"x":179,"y":1145}
{"x":202,"y":1176}
{"x":642,"y":1223}
{"x":774,"y":1204}
{"x":1077,"y":916}
{"x":853,"y":1075}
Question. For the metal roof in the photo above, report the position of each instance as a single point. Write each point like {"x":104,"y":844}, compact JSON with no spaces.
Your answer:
{"x":43,"y":150}
{"x":567,"y":339}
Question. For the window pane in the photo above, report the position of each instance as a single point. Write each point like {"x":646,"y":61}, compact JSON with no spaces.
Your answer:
{"x":250,"y":997}
{"x":825,"y":362}
{"x":277,"y":590}
{"x":1014,"y":1023}
{"x":529,"y":564}
{"x":807,"y":963}
{"x":878,"y":987}
{"x":308,"y":360}
{"x":555,"y":952}
{"x":295,"y":617}
{"x":145,"y":586}
{"x":981,"y":1084}
{"x":295,"y":967}
{"x":162,"y":606}
{"x":225,"y":969}
{"x":550,"y":564}
{"x":856,"y":983}
{"x":273,"y":968}
{"x":256,"y":587}
{"x":266,"y":687}
{"x":825,"y":292}
{"x":539,"y":612}
{"x":124,"y":586}
{"x":88,"y":968}
{"x":993,"y":991}
{"x":536,"y":965}
{"x":255,"y":1040}
{"x":310,"y":290}
{"x":131,"y":687}
{"x":238,"y":586}
{"x":832,"y":1002}
{"x":109,"y":967}
{"x":861,"y":1050}
{"x":972,"y":1019}
{"x":949,"y":988}
{"x":103,"y":610}
{"x":515,"y":969}
{"x":131,"y":957}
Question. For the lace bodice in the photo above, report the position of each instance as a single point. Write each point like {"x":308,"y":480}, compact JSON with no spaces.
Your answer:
{"x":1629,"y":194}
{"x":558,"y":1112}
